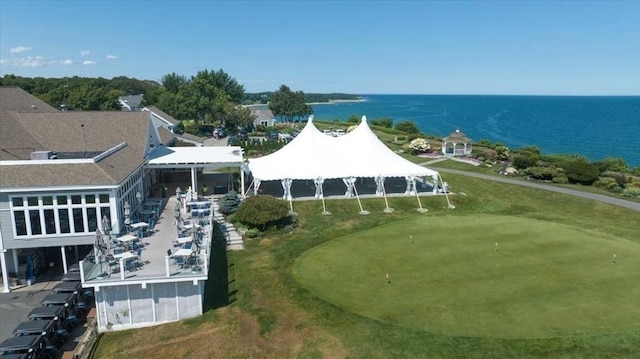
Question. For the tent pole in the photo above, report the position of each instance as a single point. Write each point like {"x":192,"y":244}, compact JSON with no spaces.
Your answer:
{"x":386,"y":201}
{"x":420,"y":209}
{"x":362,"y":211}
{"x":248,"y":188}
{"x":445,"y":194}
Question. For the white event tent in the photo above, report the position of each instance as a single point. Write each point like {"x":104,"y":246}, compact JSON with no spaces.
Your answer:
{"x":312,"y":155}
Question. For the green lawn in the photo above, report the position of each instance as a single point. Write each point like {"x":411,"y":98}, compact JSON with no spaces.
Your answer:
{"x":257,"y":307}
{"x":545,"y":280}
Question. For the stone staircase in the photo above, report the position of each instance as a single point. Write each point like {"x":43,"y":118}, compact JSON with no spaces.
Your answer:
{"x":234,"y":239}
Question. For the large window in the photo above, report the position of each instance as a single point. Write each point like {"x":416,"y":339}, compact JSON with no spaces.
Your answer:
{"x":54,"y":214}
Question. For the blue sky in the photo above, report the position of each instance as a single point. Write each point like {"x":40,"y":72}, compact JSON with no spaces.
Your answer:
{"x":363,"y":47}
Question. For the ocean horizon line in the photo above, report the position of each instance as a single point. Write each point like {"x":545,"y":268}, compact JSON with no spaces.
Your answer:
{"x":469,"y":94}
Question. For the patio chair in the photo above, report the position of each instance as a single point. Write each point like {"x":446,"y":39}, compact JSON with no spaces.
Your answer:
{"x":180,"y":262}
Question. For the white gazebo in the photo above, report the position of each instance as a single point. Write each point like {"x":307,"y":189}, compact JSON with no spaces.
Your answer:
{"x":456,"y":144}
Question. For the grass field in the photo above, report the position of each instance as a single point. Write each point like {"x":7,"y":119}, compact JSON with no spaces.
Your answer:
{"x":258,"y":308}
{"x":544,"y":280}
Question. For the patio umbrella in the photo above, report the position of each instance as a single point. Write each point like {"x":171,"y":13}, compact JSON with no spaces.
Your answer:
{"x":106,"y":225}
{"x":127,"y":213}
{"x":139,"y":200}
{"x":176,"y":211}
{"x":100,"y":247}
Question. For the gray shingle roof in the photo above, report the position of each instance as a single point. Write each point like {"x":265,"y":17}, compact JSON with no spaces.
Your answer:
{"x":25,"y":131}
{"x":164,"y":115}
{"x":16,"y":99}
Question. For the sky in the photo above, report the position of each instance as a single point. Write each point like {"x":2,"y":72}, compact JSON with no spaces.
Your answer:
{"x":359,"y":47}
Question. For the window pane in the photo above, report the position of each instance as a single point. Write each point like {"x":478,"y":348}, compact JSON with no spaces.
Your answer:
{"x":33,"y":201}
{"x":63,"y":217}
{"x":90,"y":198}
{"x":47,"y":200}
{"x":34,"y":215}
{"x":21,"y":223}
{"x":49,"y":221}
{"x":104,"y":198}
{"x":17,"y":201}
{"x":76,"y":199}
{"x":92,"y":219}
{"x":78,"y":220}
{"x":62,"y":200}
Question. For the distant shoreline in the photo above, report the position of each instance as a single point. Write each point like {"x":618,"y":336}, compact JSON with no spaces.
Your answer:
{"x":330,"y":102}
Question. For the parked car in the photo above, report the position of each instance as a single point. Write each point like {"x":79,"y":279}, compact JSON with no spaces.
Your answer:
{"x":233,"y":141}
{"x":328,"y":132}
{"x":45,"y":328}
{"x":71,"y":277}
{"x":243,"y":135}
{"x":338,"y":133}
{"x":219,"y":132}
{"x":284,"y":136}
{"x":271,"y":135}
{"x":30,"y":346}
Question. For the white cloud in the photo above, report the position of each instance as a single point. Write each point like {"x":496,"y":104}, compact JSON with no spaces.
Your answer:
{"x":29,"y":61}
{"x":34,"y":61}
{"x":89,"y":62}
{"x":20,"y":49}
{"x":85,"y":53}
{"x":111,"y":57}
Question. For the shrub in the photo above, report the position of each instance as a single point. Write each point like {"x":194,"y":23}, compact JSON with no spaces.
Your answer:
{"x":229,"y":203}
{"x":419,"y":145}
{"x":252,"y":233}
{"x":382,"y":122}
{"x":502,"y":153}
{"x":408,"y":127}
{"x":263,"y":211}
{"x":401,"y":138}
{"x":631,"y":192}
{"x":579,"y":170}
{"x":541,"y":173}
{"x":521,"y":162}
{"x":353,"y":119}
{"x":561,"y":179}
{"x":604,"y":182}
{"x":612,"y":164}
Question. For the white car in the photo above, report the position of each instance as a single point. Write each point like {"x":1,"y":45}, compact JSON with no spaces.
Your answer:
{"x":338,"y":133}
{"x":328,"y":132}
{"x":284,"y":136}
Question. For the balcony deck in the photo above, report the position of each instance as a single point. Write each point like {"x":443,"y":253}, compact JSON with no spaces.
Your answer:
{"x":154,"y":263}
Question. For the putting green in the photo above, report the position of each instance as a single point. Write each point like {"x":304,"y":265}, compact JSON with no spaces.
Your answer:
{"x":544,"y":280}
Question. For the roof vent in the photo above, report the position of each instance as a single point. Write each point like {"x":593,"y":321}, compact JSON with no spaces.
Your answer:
{"x":43,"y":155}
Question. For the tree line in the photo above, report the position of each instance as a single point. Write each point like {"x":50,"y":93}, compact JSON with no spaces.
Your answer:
{"x":209,"y":98}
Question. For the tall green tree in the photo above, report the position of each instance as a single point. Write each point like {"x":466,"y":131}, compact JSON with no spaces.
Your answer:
{"x":288,"y":104}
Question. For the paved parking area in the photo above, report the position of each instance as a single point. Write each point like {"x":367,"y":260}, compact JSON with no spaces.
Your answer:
{"x":15,"y":306}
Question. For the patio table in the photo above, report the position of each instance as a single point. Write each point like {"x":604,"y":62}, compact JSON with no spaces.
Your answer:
{"x":124,"y":255}
{"x":126,"y":238}
{"x":183,"y":240}
{"x":199,"y":204}
{"x":182,"y":253}
{"x":139,"y":225}
{"x":189,"y":226}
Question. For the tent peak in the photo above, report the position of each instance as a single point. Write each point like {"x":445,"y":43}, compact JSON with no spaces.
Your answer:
{"x":364,"y":118}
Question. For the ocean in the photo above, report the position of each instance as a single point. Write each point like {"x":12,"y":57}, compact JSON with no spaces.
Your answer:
{"x":593,"y":126}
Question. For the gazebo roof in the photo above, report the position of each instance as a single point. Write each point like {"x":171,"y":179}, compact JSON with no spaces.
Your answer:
{"x":458,"y":137}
